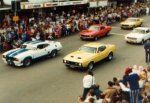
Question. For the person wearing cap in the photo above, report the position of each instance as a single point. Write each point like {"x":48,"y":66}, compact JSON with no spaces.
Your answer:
{"x":88,"y":81}
{"x":132,"y":79}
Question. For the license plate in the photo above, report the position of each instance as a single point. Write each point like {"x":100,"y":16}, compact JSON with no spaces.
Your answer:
{"x":9,"y":61}
{"x":72,"y":66}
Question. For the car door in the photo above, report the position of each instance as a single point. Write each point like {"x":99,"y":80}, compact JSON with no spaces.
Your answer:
{"x":40,"y":51}
{"x":138,"y":22}
{"x":101,"y":53}
{"x":102,"y":30}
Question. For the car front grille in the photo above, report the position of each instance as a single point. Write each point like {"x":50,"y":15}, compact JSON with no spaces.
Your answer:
{"x":131,"y":38}
{"x":85,"y":35}
{"x":125,"y":25}
{"x":72,"y":63}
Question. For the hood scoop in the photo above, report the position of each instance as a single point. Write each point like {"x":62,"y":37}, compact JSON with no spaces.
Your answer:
{"x":79,"y":58}
{"x":72,"y":56}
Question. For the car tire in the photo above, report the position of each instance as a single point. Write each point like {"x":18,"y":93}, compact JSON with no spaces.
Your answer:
{"x":121,"y":28}
{"x":133,"y":27}
{"x":107,"y":33}
{"x":90,"y":66}
{"x":142,"y":42}
{"x":27,"y":62}
{"x":81,"y":38}
{"x":110,"y":56}
{"x":53,"y":53}
{"x":96,"y":38}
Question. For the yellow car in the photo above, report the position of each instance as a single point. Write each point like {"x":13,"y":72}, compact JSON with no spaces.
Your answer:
{"x":89,"y":54}
{"x":131,"y":23}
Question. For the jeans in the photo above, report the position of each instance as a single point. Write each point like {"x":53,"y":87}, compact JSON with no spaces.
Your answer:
{"x":85,"y":92}
{"x":134,"y":96}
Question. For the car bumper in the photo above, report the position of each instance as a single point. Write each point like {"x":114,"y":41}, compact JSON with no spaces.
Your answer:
{"x":133,"y":41}
{"x":72,"y":64}
{"x":126,"y":26}
{"x":86,"y":37}
{"x":11,"y":62}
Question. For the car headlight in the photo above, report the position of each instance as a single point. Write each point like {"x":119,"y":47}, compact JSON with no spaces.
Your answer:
{"x":16,"y":59}
{"x":64,"y":61}
{"x":80,"y":64}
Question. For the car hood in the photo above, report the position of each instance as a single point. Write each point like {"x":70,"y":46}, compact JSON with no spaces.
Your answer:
{"x":87,"y":32}
{"x":17,"y":52}
{"x":79,"y":56}
{"x":135,"y":35}
{"x":127,"y":23}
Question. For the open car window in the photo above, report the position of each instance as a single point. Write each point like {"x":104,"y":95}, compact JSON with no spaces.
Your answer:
{"x":40,"y":46}
{"x":45,"y":45}
{"x":101,"y":48}
{"x":102,"y":27}
{"x":94,"y":28}
{"x":147,"y":31}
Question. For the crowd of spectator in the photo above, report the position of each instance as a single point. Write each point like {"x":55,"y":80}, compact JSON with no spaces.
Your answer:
{"x":133,"y":87}
{"x":48,"y":26}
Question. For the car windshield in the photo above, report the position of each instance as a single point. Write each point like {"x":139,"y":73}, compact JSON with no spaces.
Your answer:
{"x":95,"y":28}
{"x":88,"y":49}
{"x":138,"y":31}
{"x":131,"y":20}
{"x":27,"y":47}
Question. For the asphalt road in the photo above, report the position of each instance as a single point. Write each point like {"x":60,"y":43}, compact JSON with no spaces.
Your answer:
{"x":49,"y":81}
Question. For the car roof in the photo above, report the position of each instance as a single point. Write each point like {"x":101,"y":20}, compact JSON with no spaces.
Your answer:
{"x":94,"y":44}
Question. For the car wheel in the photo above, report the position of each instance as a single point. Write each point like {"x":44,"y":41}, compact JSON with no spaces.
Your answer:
{"x":81,"y":38}
{"x":90,"y":66}
{"x":110,"y":56}
{"x":27,"y":62}
{"x":133,"y":27}
{"x":140,"y":25}
{"x":107,"y":33}
{"x":53,"y":53}
{"x":142,"y":42}
{"x":96,"y":38}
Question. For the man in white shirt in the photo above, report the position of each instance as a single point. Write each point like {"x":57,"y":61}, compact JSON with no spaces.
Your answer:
{"x":88,"y":81}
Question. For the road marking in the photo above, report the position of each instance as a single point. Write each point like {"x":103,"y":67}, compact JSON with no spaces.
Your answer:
{"x":117,"y":34}
{"x":115,"y":26}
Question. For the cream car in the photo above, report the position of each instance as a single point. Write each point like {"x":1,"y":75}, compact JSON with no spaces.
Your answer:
{"x":131,"y":23}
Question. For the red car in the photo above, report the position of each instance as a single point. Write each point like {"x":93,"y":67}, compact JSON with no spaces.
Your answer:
{"x":95,"y":31}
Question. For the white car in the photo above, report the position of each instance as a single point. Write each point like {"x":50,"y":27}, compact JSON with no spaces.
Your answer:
{"x":30,"y":51}
{"x":138,"y":35}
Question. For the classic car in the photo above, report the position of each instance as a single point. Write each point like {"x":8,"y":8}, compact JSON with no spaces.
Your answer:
{"x":89,"y":54}
{"x":131,"y":23}
{"x":94,"y":32}
{"x":138,"y":35}
{"x":30,"y":51}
